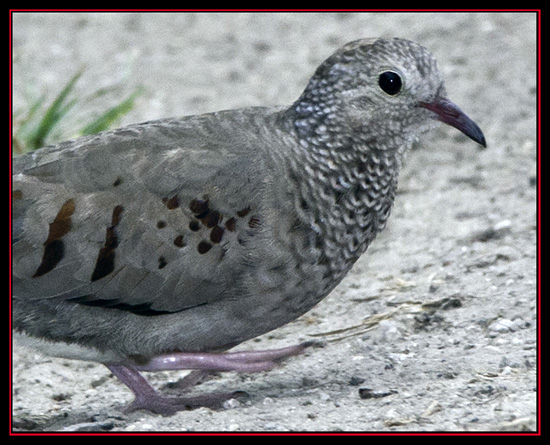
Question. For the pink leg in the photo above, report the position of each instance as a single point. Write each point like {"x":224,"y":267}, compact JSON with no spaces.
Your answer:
{"x":147,"y":398}
{"x":245,"y":361}
{"x":201,"y":363}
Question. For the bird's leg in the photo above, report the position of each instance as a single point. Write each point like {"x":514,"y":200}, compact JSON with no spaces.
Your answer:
{"x":146,"y":397}
{"x":242,"y":361}
{"x":202,"y":363}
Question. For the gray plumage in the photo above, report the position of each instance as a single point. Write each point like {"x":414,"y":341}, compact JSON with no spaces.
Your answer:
{"x":197,"y":233}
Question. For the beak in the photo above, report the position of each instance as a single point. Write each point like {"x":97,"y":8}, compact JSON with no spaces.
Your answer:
{"x":447,"y":112}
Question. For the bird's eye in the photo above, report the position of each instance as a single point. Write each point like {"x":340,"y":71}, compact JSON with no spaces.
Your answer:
{"x":390,"y":82}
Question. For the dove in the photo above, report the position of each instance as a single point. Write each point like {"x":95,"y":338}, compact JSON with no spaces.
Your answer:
{"x":164,"y":244}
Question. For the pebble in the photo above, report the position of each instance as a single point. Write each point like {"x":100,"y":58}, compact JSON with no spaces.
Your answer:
{"x":434,"y":407}
{"x":501,"y":325}
{"x":390,"y":330}
{"x":504,"y":325}
{"x":356,"y":381}
{"x":231,"y":404}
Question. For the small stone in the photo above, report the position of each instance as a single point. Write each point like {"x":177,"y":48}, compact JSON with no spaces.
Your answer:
{"x":356,"y":381}
{"x":231,"y":404}
{"x":434,"y":407}
{"x":500,"y":326}
{"x":390,"y":330}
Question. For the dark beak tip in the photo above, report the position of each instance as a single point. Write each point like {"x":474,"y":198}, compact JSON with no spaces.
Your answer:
{"x":447,"y":112}
{"x":473,"y":132}
{"x":479,"y":137}
{"x":482,"y":142}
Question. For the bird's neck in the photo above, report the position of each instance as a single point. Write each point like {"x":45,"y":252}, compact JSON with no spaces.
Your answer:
{"x":346,"y":187}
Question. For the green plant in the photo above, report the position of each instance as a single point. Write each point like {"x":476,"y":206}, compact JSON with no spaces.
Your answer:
{"x":35,"y":127}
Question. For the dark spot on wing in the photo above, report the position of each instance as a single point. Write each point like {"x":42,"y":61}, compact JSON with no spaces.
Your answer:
{"x":161,"y":224}
{"x":171,"y":203}
{"x":242,"y":213}
{"x":178,"y":241}
{"x":230,"y":224}
{"x":206,"y":216}
{"x":116,"y":216}
{"x":194,"y":226}
{"x":52,"y":255}
{"x":198,"y":206}
{"x":212,"y":218}
{"x":105,"y":262}
{"x":162,"y":262}
{"x":54,"y":247}
{"x":203,"y":215}
{"x":203,"y":247}
{"x":216,"y":234}
{"x":117,"y":182}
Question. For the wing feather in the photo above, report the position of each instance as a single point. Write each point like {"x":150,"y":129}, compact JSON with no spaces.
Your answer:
{"x":156,"y":224}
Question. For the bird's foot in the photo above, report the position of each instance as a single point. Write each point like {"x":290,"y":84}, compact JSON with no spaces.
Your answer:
{"x":146,"y":397}
{"x":167,"y":406}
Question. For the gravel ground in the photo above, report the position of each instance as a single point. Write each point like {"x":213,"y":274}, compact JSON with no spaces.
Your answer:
{"x":435,"y":328}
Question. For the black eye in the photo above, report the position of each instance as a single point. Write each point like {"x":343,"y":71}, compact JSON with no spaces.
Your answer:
{"x":390,"y":82}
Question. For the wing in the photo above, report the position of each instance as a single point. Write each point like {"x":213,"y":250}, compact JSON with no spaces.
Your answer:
{"x":154,"y":217}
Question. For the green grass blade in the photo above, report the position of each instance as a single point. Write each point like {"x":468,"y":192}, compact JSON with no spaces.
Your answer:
{"x":23,"y":126}
{"x":39,"y":125}
{"x":107,"y":119}
{"x":53,"y":114}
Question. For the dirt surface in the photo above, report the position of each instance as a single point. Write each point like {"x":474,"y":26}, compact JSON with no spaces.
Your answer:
{"x":435,"y":327}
